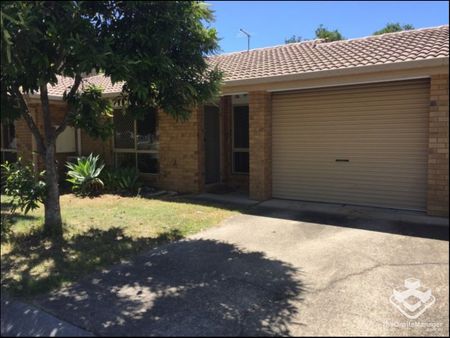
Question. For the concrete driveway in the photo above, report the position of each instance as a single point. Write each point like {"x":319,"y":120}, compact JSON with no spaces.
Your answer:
{"x":272,"y":272}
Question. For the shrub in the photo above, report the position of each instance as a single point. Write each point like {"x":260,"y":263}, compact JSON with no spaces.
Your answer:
{"x":121,"y":180}
{"x":84,"y":175}
{"x":25,"y":187}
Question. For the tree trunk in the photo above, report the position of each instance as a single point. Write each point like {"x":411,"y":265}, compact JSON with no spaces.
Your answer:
{"x":53,"y":222}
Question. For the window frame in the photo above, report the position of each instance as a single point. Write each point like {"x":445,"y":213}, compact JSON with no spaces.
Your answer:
{"x":239,"y":150}
{"x":136,"y":151}
{"x":4,"y":149}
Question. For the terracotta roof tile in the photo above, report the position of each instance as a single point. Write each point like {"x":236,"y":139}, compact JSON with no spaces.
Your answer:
{"x":312,"y":56}
{"x":317,"y":55}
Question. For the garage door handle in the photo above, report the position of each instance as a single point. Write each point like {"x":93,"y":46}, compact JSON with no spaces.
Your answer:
{"x":342,"y":160}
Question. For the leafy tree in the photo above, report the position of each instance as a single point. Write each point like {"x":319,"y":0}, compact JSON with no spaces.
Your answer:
{"x":323,"y":33}
{"x":393,"y":27}
{"x":156,"y":48}
{"x":293,"y":39}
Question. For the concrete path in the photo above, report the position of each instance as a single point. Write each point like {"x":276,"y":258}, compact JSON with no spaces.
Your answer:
{"x":280,"y":270}
{"x":22,"y":320}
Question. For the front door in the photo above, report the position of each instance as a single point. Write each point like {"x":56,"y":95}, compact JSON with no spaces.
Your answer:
{"x":212,"y":144}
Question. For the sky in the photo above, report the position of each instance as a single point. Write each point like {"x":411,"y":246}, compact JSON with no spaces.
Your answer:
{"x":271,"y":22}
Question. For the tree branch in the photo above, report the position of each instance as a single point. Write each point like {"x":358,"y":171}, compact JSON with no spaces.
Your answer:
{"x":72,"y":92}
{"x":29,"y":120}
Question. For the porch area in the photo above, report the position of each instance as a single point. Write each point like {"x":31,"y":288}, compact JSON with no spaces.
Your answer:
{"x":236,"y":145}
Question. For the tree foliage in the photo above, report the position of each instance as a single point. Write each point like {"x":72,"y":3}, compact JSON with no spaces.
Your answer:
{"x":293,"y":39}
{"x":25,"y":187}
{"x":393,"y":27}
{"x":155,"y":49}
{"x":328,"y":35}
{"x":320,"y":33}
{"x":160,"y":59}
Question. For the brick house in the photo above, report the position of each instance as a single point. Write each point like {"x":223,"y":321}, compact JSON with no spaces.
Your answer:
{"x":361,"y":121}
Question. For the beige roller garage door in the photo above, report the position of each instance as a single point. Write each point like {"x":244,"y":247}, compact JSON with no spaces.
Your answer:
{"x":362,"y":144}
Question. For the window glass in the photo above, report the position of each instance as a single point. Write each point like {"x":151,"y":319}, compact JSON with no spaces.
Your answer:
{"x":148,"y":163}
{"x":241,"y":162}
{"x":9,"y":156}
{"x":146,"y":133}
{"x":136,"y":142}
{"x":240,"y":125}
{"x":123,"y":131}
{"x":8,"y":136}
{"x":126,"y":160}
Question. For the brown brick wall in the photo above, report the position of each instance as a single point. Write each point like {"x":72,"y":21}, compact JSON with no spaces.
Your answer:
{"x":438,"y":147}
{"x":260,"y":119}
{"x":58,"y":111}
{"x":179,"y":151}
{"x":97,"y":147}
{"x":24,"y":141}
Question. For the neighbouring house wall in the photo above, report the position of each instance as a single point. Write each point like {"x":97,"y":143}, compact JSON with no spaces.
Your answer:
{"x":438,"y":147}
{"x":260,"y":134}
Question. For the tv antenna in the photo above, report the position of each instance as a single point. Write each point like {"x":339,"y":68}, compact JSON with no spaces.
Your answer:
{"x":248,"y":38}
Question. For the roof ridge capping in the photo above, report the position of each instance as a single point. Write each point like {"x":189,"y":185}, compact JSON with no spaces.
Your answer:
{"x":304,"y":42}
{"x":404,"y":32}
{"x":315,"y":42}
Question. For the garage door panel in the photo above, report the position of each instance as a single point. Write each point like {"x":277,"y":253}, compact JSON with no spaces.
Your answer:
{"x":355,"y":103}
{"x":380,"y":128}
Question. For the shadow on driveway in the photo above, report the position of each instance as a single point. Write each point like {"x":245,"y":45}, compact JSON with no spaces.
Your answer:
{"x":362,"y":222}
{"x":188,"y":288}
{"x":331,"y":214}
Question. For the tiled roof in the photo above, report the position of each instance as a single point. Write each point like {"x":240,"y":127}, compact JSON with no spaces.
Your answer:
{"x":64,"y":83}
{"x":105,"y":83}
{"x":314,"y":55}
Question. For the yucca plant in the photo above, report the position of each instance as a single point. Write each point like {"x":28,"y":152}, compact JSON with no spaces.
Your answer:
{"x":84,"y":175}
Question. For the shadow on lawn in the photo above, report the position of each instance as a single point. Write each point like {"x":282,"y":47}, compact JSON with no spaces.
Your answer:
{"x":35,"y":264}
{"x":188,"y":288}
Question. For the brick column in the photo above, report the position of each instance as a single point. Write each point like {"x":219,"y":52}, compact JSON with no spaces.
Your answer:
{"x":260,"y":134}
{"x":437,"y":203}
{"x":179,"y":151}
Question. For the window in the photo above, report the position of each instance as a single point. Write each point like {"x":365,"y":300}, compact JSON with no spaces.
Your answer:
{"x":240,"y":140}
{"x":65,"y":143}
{"x":8,"y":143}
{"x":136,"y":142}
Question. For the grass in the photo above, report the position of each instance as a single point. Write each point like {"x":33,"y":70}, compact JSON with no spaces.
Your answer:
{"x":98,"y":232}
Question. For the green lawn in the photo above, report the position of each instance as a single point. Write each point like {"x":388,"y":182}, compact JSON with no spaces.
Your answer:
{"x":98,"y":232}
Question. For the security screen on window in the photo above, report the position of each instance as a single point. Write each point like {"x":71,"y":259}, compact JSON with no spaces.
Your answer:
{"x":240,"y":140}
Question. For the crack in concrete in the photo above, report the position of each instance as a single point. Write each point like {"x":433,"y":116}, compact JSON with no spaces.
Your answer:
{"x":370,"y":269}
